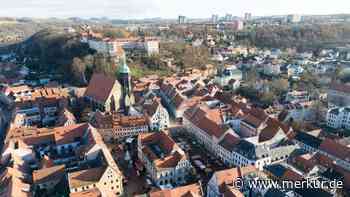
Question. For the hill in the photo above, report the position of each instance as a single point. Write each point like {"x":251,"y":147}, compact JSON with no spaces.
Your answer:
{"x":51,"y":51}
{"x":303,"y":37}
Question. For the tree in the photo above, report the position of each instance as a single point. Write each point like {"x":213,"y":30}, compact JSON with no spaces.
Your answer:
{"x":268,"y":98}
{"x":115,"y":33}
{"x":318,"y":109}
{"x":344,"y":75}
{"x":251,"y":76}
{"x":172,"y":50}
{"x":103,"y":64}
{"x":152,"y":61}
{"x":195,"y":57}
{"x":279,"y":86}
{"x":78,"y":69}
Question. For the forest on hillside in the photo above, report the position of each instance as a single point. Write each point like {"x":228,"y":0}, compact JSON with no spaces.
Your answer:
{"x":303,"y":37}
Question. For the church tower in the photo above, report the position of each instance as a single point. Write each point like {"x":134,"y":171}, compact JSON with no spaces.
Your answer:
{"x":124,"y":78}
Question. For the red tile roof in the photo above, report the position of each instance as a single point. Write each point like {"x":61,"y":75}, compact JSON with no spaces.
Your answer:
{"x":151,"y":108}
{"x":291,"y":175}
{"x":227,"y":177}
{"x":116,"y":120}
{"x":208,"y":120}
{"x":229,"y":142}
{"x":100,"y":87}
{"x":273,"y":126}
{"x":232,"y":192}
{"x":85,"y":177}
{"x":336,"y":149}
{"x":169,"y":148}
{"x":69,"y":134}
{"x":57,"y":135}
{"x":48,"y":174}
{"x":88,"y":193}
{"x":193,"y":190}
{"x":306,"y":161}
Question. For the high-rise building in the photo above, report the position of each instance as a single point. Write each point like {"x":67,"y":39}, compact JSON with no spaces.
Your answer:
{"x":228,"y":17}
{"x":182,"y":19}
{"x":248,"y":16}
{"x":214,"y":18}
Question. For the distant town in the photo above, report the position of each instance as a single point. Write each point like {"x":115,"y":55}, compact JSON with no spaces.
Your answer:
{"x":175,"y":107}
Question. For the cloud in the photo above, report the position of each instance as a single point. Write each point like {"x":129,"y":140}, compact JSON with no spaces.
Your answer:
{"x":82,"y":8}
{"x":167,"y":8}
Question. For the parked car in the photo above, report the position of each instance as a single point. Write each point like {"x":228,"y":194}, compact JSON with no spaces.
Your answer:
{"x":199,"y":164}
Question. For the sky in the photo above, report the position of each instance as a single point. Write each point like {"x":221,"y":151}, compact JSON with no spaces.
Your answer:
{"x":137,"y":9}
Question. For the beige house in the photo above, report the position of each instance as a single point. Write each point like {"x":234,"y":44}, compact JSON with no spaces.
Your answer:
{"x":164,"y":160}
{"x":105,"y":179}
{"x":113,"y":126}
{"x":48,"y":177}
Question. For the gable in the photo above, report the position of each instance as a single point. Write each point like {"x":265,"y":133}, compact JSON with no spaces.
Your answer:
{"x":100,"y":87}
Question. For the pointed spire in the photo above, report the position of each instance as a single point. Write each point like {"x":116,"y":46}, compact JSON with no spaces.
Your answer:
{"x":123,"y":67}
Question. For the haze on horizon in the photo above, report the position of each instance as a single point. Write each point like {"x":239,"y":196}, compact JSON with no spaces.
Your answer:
{"x":137,"y":9}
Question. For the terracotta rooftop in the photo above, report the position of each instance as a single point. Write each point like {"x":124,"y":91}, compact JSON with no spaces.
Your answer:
{"x":182,"y":91}
{"x":208,"y":120}
{"x":57,"y":135}
{"x":100,"y":87}
{"x":12,"y":185}
{"x":45,"y":94}
{"x":273,"y":126}
{"x":232,"y":192}
{"x":85,"y":177}
{"x":291,"y":175}
{"x":193,"y":190}
{"x":307,"y":161}
{"x":18,"y":89}
{"x":116,"y":120}
{"x":88,"y":193}
{"x":170,"y":154}
{"x":226,"y":177}
{"x":229,"y":142}
{"x":151,"y":108}
{"x":336,"y":149}
{"x":48,"y":174}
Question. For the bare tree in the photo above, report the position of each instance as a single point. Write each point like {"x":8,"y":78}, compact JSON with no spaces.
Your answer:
{"x":78,"y":69}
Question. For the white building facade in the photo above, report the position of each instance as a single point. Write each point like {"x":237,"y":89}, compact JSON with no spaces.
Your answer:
{"x":339,"y":118}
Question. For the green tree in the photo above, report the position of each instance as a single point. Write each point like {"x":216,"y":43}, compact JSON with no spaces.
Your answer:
{"x":195,"y":57}
{"x":279,"y":86}
{"x":268,"y":98}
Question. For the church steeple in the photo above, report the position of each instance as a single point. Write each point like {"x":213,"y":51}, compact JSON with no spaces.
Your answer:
{"x":123,"y":67}
{"x":124,"y":78}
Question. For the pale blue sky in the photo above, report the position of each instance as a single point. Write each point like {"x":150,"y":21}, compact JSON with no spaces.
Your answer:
{"x":126,"y":9}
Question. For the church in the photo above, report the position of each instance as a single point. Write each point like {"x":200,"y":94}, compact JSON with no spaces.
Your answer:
{"x":107,"y":94}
